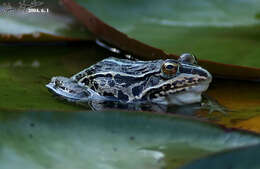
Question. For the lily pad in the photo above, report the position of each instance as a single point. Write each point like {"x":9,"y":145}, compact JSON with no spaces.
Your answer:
{"x":56,"y":24}
{"x":246,"y":157}
{"x":220,"y":31}
{"x":112,"y":139}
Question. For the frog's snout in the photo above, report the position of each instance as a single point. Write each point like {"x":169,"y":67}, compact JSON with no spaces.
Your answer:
{"x":66,"y":88}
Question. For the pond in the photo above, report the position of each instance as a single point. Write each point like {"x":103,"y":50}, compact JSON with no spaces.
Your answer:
{"x":39,"y":130}
{"x":102,"y":139}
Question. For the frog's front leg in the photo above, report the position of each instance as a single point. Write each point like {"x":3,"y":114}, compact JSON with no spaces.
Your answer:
{"x":212,"y":105}
{"x":70,"y":90}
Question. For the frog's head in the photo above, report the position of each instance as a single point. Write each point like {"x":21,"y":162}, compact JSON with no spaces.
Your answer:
{"x":182,"y":82}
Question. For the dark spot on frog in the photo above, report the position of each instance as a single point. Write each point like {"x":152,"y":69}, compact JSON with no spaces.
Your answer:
{"x":199,"y":72}
{"x":125,"y":85}
{"x":108,"y":94}
{"x":119,"y":78}
{"x":30,"y":135}
{"x":85,"y":81}
{"x":182,"y":90}
{"x":153,"y":92}
{"x":109,"y":75}
{"x":78,"y":77}
{"x":62,"y":87}
{"x":57,"y":84}
{"x":185,"y":70}
{"x":190,"y":80}
{"x":111,"y":83}
{"x":111,"y":97}
{"x":152,"y":96}
{"x":137,"y":90}
{"x":122,"y":96}
{"x":200,"y":80}
{"x":89,"y":72}
{"x":167,"y":87}
{"x":153,"y":81}
{"x":182,"y":81}
{"x":175,"y":83}
{"x":128,"y":80}
{"x":102,"y":83}
{"x":32,"y":124}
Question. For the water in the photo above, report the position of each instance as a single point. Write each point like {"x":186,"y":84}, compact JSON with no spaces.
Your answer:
{"x":56,"y":135}
{"x":25,"y":72}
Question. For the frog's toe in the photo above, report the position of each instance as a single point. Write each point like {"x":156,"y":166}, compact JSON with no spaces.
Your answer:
{"x":222,"y":110}
{"x":212,"y":105}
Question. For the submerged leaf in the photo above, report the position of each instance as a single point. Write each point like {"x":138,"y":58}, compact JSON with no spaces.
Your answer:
{"x":241,"y":98}
{"x":241,"y":158}
{"x":99,"y":140}
{"x":251,"y":124}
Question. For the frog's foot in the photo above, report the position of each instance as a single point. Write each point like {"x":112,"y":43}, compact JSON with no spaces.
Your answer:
{"x":69,"y":89}
{"x":213,"y":105}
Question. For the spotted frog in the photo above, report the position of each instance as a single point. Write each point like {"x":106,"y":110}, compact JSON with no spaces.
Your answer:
{"x":175,"y":82}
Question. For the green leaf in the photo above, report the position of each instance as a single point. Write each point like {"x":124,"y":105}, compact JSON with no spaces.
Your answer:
{"x":247,"y":157}
{"x":98,"y":140}
{"x":221,"y":31}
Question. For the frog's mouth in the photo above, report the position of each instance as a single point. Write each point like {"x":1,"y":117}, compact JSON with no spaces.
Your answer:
{"x":189,"y":95}
{"x":185,"y":89}
{"x":68,"y":89}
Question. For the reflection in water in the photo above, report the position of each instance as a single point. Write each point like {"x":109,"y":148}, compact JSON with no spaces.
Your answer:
{"x":208,"y":104}
{"x":188,"y":110}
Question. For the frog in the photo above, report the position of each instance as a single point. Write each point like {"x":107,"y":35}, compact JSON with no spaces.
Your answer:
{"x":157,"y":82}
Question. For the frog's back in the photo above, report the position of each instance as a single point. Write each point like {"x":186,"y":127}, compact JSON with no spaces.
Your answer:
{"x":120,"y":66}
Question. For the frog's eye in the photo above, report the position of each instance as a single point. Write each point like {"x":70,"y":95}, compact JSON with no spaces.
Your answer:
{"x":188,"y":58}
{"x":170,"y":68}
